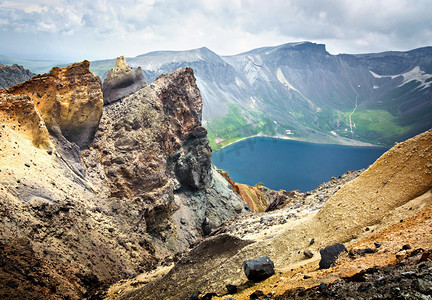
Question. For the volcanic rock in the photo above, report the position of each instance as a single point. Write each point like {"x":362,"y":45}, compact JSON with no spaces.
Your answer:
{"x":66,"y":234}
{"x":54,"y":242}
{"x":121,"y":81}
{"x":153,"y":150}
{"x":69,"y":99}
{"x":258,"y":269}
{"x":20,"y":114}
{"x":330,"y":254}
{"x":308,"y":253}
{"x":232,"y":289}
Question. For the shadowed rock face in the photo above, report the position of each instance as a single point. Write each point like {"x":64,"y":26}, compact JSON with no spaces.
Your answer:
{"x":69,"y":100}
{"x":121,"y":81}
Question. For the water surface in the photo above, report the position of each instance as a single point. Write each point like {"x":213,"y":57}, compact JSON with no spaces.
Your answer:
{"x":289,"y":164}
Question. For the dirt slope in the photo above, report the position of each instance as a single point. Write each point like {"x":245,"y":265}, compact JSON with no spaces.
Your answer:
{"x":374,"y":200}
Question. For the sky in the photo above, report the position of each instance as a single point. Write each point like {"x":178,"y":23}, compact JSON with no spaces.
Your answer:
{"x":100,"y":29}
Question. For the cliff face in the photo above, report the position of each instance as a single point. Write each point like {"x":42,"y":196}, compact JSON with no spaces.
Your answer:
{"x":152,"y":150}
{"x":69,"y":100}
{"x":121,"y":81}
{"x":11,"y":75}
{"x":143,"y":190}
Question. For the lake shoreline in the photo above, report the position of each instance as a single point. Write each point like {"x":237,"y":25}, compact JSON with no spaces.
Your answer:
{"x":288,"y":164}
{"x":343,"y":141}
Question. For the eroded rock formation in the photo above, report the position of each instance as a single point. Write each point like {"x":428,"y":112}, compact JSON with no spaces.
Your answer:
{"x":121,"y":81}
{"x":69,"y":100}
{"x":144,"y":189}
{"x":152,"y":150}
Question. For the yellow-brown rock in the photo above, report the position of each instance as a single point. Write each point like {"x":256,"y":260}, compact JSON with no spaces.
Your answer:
{"x":21,"y":116}
{"x":253,"y":196}
{"x":67,"y":98}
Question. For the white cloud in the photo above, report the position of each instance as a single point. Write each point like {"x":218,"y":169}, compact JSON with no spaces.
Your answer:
{"x":104,"y":28}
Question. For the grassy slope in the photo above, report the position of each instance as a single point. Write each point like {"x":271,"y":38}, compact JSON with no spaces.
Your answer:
{"x":237,"y":124}
{"x":373,"y":126}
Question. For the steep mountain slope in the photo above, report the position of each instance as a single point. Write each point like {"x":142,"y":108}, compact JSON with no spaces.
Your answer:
{"x":11,"y":75}
{"x":301,"y":91}
{"x":76,"y":219}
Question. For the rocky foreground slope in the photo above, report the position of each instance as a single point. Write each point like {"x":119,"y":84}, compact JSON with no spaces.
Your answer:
{"x":91,"y":194}
{"x":386,"y":210}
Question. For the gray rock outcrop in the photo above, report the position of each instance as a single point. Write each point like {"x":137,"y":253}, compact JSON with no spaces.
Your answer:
{"x":121,"y":81}
{"x":152,"y":150}
{"x":11,"y":75}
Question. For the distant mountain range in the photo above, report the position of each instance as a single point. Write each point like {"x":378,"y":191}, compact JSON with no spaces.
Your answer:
{"x":299,"y":90}
{"x":35,"y":66}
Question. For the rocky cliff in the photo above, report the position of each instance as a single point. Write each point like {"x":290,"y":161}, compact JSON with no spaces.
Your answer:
{"x":143,"y":189}
{"x":151,"y":149}
{"x":11,"y":75}
{"x":69,"y":99}
{"x":121,"y":81}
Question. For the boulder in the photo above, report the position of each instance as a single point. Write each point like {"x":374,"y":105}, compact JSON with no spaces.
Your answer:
{"x":259,"y":268}
{"x":232,"y":289}
{"x":330,"y":254}
{"x":122,"y":81}
{"x":308,"y":253}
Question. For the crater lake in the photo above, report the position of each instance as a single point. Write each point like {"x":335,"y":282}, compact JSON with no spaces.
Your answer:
{"x":289,"y":164}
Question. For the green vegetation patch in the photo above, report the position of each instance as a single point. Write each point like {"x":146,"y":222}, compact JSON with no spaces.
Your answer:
{"x":373,"y":126}
{"x":238,"y":123}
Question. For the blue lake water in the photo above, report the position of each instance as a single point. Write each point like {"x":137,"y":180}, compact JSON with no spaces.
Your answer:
{"x":291,"y":165}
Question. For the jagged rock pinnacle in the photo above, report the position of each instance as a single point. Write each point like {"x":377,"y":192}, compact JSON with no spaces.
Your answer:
{"x":121,"y":81}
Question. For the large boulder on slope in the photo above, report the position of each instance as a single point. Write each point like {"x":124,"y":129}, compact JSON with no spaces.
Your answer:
{"x":330,"y":254}
{"x":259,"y":268}
{"x":121,"y":81}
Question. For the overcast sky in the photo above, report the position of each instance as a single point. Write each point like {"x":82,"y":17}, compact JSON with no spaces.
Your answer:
{"x":98,"y":29}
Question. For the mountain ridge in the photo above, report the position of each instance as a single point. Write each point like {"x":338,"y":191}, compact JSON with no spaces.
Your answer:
{"x":301,"y":91}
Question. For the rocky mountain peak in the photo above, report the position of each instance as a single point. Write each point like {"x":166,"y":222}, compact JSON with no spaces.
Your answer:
{"x":152,"y":149}
{"x":121,"y":81}
{"x":68,"y":99}
{"x":121,"y":65}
